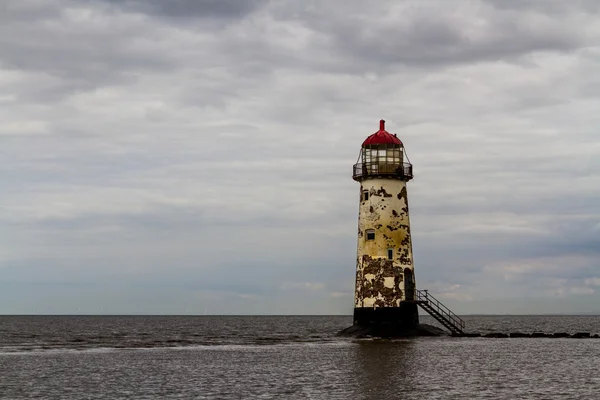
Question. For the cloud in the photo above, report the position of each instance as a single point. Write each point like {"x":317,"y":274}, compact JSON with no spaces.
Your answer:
{"x":577,"y":291}
{"x":206,"y":146}
{"x":595,"y":281}
{"x":455,"y":292}
{"x":341,"y":294}
{"x":384,"y":36}
{"x":246,"y":296}
{"x":206,"y":9}
{"x":310,"y":286}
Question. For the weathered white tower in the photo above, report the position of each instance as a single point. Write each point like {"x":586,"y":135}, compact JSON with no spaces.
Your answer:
{"x":385,"y":280}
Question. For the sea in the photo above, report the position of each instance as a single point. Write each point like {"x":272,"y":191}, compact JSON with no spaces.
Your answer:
{"x":290,"y":357}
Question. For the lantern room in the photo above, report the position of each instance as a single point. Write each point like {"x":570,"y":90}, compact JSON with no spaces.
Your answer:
{"x":382,"y":156}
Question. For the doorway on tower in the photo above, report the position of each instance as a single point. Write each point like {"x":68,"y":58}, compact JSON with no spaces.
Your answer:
{"x":409,"y":285}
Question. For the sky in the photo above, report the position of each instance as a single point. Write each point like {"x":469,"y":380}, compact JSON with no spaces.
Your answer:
{"x":195,"y":157}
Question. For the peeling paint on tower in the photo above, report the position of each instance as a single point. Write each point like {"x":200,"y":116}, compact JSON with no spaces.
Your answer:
{"x":379,"y":279}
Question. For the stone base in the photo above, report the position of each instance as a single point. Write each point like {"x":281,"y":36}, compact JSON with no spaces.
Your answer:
{"x":390,"y":322}
{"x":391,"y":331}
{"x":406,"y":315}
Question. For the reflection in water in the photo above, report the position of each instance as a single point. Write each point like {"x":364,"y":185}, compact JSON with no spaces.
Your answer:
{"x":383,"y":368}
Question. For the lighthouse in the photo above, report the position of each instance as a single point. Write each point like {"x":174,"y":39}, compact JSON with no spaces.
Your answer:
{"x":385,"y":280}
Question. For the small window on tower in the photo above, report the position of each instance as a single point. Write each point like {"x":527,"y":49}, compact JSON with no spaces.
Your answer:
{"x":365,"y":195}
{"x":370,"y":234}
{"x":390,"y":254}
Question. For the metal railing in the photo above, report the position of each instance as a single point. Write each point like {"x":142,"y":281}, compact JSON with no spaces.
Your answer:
{"x":373,"y":169}
{"x":437,"y":306}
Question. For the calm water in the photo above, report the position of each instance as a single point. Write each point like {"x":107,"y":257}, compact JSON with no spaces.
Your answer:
{"x":71,"y":357}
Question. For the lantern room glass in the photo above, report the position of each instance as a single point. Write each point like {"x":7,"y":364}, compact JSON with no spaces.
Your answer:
{"x":382,"y":158}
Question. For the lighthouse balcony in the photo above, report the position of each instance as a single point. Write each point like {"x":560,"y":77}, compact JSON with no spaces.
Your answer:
{"x":394,"y":170}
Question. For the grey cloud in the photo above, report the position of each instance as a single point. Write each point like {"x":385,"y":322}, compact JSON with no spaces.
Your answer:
{"x":67,"y":63}
{"x":428,"y":44}
{"x":434,"y":34}
{"x":227,"y":9}
{"x":549,"y":7}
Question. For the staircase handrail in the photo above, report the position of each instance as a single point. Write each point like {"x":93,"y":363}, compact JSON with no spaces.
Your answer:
{"x":423,"y":295}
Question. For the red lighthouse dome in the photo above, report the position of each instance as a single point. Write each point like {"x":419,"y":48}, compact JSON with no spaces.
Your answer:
{"x":382,"y":156}
{"x":381,"y":137}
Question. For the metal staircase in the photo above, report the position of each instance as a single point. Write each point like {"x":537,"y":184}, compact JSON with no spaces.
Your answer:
{"x":440,"y":312}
